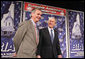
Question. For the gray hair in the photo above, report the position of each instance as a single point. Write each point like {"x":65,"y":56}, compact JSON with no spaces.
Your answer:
{"x":52,"y":18}
{"x":34,"y":9}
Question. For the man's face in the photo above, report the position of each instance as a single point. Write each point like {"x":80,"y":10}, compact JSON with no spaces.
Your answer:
{"x":51,"y":23}
{"x":37,"y":15}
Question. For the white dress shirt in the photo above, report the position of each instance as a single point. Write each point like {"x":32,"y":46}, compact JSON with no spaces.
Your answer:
{"x":50,"y":31}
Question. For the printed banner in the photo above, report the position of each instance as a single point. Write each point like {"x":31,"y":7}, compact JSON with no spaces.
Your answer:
{"x":46,"y":9}
{"x":76,"y":28}
{"x":50,"y":11}
{"x":10,"y":17}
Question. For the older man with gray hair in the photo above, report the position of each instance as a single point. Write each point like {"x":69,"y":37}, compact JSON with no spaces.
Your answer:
{"x":26,"y":38}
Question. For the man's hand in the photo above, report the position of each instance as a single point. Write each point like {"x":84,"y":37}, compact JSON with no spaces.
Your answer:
{"x":59,"y":56}
{"x":14,"y":55}
{"x":38,"y":56}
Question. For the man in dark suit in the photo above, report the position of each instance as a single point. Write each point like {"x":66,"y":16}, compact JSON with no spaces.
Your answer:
{"x":49,"y":46}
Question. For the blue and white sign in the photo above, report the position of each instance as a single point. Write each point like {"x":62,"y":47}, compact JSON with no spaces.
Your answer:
{"x":76,"y":31}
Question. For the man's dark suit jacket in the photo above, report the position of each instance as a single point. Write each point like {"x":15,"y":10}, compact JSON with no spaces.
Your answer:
{"x":47,"y":49}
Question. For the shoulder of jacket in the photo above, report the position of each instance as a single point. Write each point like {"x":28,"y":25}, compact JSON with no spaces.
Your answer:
{"x":24,"y":23}
{"x":56,"y":30}
{"x":43,"y":29}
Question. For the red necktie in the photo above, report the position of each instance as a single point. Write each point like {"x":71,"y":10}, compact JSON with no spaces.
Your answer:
{"x":37,"y":38}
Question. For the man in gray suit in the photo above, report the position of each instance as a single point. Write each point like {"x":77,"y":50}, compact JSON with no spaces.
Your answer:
{"x":26,"y":39}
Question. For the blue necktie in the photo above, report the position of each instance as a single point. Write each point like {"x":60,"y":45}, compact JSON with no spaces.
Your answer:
{"x":51,"y":35}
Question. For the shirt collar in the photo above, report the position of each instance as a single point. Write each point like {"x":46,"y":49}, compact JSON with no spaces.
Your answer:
{"x":33,"y":22}
{"x":50,"y":28}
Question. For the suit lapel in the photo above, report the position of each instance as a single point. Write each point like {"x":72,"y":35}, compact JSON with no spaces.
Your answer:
{"x":54,"y":36}
{"x":48,"y":35}
{"x":33,"y":30}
